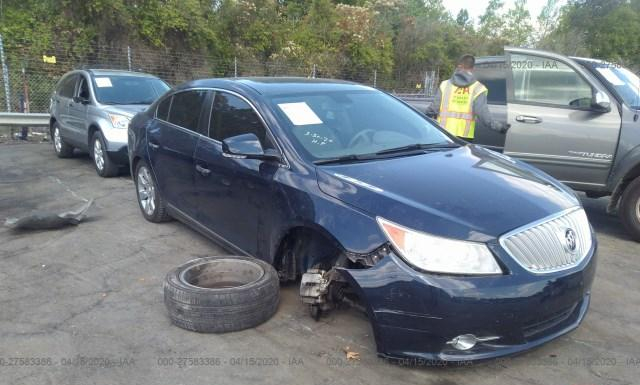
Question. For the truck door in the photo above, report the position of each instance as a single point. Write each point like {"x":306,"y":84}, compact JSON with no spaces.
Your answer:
{"x":554,"y":125}
{"x":492,"y":73}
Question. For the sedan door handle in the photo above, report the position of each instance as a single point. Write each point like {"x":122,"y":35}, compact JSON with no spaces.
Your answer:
{"x":154,"y":145}
{"x":528,"y":119}
{"x":203,"y":171}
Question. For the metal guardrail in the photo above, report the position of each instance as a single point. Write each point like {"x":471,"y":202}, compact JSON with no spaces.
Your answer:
{"x":20,"y":119}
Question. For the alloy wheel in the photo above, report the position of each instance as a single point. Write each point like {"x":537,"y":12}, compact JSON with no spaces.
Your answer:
{"x":98,"y":154}
{"x":57,"y":141}
{"x":146,"y":191}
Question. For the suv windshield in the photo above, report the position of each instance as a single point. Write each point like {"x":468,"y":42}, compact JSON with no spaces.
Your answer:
{"x":343,"y":124}
{"x":127,"y":89}
{"x":625,"y":82}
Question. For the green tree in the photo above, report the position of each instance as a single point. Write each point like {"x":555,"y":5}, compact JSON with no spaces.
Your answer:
{"x":518,"y":30}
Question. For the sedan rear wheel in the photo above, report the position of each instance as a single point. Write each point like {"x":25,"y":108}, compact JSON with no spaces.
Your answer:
{"x":151,"y":203}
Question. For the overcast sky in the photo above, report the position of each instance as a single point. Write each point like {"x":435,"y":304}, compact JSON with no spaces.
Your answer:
{"x":477,"y":7}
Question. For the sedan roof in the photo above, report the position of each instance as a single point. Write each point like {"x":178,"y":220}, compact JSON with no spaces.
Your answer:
{"x":277,"y":85}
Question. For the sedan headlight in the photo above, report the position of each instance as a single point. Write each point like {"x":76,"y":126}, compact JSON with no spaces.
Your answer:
{"x":440,"y":255}
{"x":119,"y":121}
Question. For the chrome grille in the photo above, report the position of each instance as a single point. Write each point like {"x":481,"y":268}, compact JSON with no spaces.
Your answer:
{"x":555,"y":243}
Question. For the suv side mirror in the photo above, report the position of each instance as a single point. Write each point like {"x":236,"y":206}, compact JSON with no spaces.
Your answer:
{"x":601,"y":102}
{"x":247,"y":146}
{"x":78,"y":99}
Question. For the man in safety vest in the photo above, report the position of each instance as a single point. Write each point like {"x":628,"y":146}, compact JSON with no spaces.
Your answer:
{"x":461,"y":101}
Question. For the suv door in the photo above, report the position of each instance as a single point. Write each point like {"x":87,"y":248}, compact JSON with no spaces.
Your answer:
{"x":172,"y":137}
{"x":62,"y":99}
{"x":238,"y":197}
{"x":78,"y":109}
{"x":553,"y":124}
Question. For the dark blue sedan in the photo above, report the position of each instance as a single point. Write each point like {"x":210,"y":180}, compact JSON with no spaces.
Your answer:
{"x":455,"y":252}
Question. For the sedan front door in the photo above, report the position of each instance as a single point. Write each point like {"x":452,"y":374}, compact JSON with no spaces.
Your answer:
{"x":238,"y":197}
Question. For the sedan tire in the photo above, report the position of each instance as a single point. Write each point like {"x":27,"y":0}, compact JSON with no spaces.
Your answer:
{"x":151,"y":202}
{"x":629,"y":210}
{"x":221,"y":294}
{"x":105,"y":167}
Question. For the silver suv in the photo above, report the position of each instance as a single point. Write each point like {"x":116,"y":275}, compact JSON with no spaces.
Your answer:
{"x":91,"y":109}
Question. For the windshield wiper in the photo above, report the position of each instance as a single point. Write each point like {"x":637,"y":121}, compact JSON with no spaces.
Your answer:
{"x":344,"y":159}
{"x":418,"y":146}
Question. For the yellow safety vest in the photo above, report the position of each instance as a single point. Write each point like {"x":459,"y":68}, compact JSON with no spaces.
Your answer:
{"x":456,"y":108}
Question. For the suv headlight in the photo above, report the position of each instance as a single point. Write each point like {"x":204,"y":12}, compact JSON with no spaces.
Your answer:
{"x":440,"y":255}
{"x":119,"y":121}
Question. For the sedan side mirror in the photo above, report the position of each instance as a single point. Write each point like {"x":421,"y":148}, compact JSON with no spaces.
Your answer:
{"x":601,"y":102}
{"x":247,"y":146}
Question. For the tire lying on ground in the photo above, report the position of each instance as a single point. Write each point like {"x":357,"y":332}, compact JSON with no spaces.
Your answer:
{"x":221,"y":294}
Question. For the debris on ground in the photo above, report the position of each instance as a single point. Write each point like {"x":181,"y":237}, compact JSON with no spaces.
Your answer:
{"x":48,"y":220}
{"x":351,"y":355}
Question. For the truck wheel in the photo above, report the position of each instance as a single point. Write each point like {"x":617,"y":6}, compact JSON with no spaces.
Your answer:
{"x":62,"y":149}
{"x":105,"y":167}
{"x":221,"y":294}
{"x":630,"y":209}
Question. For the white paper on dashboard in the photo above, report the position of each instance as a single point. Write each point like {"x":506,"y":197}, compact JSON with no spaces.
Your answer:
{"x":610,"y":76}
{"x":103,"y":82}
{"x":300,"y":114}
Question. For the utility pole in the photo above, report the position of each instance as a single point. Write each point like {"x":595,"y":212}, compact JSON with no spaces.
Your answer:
{"x":129,"y":57}
{"x":5,"y":77}
{"x":235,"y":66}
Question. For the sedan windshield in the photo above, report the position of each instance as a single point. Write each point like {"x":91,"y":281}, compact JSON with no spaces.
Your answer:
{"x":127,"y":89}
{"x":355,"y":125}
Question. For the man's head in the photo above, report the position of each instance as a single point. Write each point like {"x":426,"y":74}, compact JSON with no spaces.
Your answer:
{"x":466,"y":62}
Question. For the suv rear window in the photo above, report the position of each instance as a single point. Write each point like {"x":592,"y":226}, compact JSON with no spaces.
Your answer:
{"x":67,"y":86}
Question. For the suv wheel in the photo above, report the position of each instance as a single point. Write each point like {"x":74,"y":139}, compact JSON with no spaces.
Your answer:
{"x":105,"y":167}
{"x":630,"y":209}
{"x":152,"y":205}
{"x":62,"y":149}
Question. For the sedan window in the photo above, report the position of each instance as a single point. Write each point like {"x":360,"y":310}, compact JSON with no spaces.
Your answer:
{"x":232,"y":116}
{"x":186,"y":109}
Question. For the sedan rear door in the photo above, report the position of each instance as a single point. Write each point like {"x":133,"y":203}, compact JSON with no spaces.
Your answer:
{"x":553,"y":124}
{"x":172,"y":139}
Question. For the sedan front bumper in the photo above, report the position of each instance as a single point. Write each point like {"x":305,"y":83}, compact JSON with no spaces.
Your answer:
{"x":415,"y":314}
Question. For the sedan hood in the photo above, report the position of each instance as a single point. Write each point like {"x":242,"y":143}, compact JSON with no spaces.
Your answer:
{"x":467,"y":193}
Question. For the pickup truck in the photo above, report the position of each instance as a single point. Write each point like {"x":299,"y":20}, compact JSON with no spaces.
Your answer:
{"x":574,"y":118}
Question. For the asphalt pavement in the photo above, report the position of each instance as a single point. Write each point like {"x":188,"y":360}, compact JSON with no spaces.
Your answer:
{"x":84,"y":304}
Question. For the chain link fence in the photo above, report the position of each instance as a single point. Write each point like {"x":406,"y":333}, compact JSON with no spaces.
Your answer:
{"x":28,"y":80}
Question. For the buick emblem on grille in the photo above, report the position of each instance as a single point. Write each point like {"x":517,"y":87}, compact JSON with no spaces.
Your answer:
{"x":570,"y":240}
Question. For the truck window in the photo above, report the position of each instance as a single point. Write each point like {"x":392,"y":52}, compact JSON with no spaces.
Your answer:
{"x":493,"y":76}
{"x":548,"y":81}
